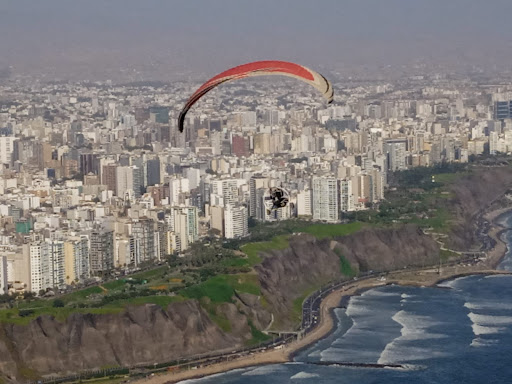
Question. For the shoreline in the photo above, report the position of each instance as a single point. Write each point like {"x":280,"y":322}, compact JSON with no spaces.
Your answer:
{"x":427,"y":277}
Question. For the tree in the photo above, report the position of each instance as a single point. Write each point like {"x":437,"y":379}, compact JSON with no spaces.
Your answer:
{"x":58,"y":303}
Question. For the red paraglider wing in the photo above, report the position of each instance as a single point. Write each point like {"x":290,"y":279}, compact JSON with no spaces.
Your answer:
{"x":260,"y":68}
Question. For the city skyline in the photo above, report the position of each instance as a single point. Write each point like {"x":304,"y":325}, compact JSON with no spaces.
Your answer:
{"x":138,"y":41}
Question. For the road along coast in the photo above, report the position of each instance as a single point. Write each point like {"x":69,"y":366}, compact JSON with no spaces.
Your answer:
{"x":418,"y":277}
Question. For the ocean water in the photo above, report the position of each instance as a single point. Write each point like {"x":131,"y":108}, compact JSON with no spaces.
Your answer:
{"x":458,"y":332}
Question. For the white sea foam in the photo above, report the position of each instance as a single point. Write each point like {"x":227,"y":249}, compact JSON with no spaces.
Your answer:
{"x":479,"y":342}
{"x":488,"y":305}
{"x":316,"y":353}
{"x":377,"y":293}
{"x":496,"y":276}
{"x":265,"y":370}
{"x":453,"y":283}
{"x":357,"y":309}
{"x":304,"y":375}
{"x":414,"y":327}
{"x":406,"y":296}
{"x":353,"y":354}
{"x":207,"y":378}
{"x":408,"y":367}
{"x":489,"y":319}
{"x":395,"y":354}
{"x":488,"y":324}
{"x":482,"y":330}
{"x":447,"y":284}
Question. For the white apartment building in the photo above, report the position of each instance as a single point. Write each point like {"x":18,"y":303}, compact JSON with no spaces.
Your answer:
{"x":184,"y":222}
{"x":6,"y":149}
{"x":225,"y":188}
{"x":236,"y":222}
{"x":304,"y":206}
{"x":325,"y":199}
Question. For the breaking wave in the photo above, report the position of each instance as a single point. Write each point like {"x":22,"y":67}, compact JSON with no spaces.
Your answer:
{"x":304,"y":375}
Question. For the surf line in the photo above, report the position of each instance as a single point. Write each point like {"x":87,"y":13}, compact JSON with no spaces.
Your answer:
{"x":360,"y":365}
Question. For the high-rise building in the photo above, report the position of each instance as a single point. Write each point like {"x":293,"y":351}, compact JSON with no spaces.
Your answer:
{"x":76,"y":259}
{"x":142,"y":241}
{"x":239,"y":146}
{"x":56,"y":277}
{"x":256,"y":182}
{"x":262,"y":143}
{"x":235,"y":222}
{"x":304,"y":203}
{"x":47,"y":265}
{"x":217,"y":220}
{"x":180,"y":226}
{"x":109,"y":178}
{"x":377,"y":184}
{"x":129,"y":180}
{"x":261,"y":209}
{"x":365,"y":189}
{"x":346,"y":195}
{"x":101,"y":251}
{"x":164,"y":246}
{"x":6,"y":149}
{"x":185,"y":223}
{"x":3,"y":275}
{"x":194,"y":177}
{"x":271,"y":117}
{"x":124,"y":181}
{"x":39,"y":266}
{"x":249,"y":119}
{"x":493,"y":142}
{"x":227,"y":189}
{"x":176,"y":188}
{"x":138,"y":181}
{"x":153,"y":171}
{"x":88,"y":163}
{"x":159,"y":114}
{"x":503,"y":109}
{"x":325,"y":199}
{"x":19,"y":269}
{"x":395,"y":150}
{"x":205,"y":187}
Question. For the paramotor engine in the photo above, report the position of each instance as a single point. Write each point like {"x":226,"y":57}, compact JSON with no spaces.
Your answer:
{"x":276,"y":198}
{"x":260,"y":68}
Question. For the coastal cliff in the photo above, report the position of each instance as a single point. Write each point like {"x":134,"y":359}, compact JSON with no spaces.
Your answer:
{"x":471,"y":194}
{"x":142,"y":334}
{"x":309,"y":263}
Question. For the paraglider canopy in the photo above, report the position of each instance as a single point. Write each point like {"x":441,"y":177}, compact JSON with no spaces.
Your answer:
{"x":260,"y":68}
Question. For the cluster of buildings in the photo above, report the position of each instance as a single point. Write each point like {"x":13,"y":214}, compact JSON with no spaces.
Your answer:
{"x":96,"y":178}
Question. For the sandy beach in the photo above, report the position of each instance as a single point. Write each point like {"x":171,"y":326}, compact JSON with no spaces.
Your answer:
{"x":425,"y":277}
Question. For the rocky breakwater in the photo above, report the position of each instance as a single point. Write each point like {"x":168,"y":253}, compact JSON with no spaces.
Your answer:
{"x":309,"y":263}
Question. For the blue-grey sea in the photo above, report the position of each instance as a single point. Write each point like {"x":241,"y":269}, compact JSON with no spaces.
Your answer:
{"x":459,"y":332}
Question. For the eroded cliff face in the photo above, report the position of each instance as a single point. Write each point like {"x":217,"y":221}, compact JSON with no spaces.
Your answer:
{"x":143,"y":334}
{"x":473,"y":193}
{"x":309,"y":263}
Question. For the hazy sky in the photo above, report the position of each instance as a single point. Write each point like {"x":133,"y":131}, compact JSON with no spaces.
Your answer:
{"x":61,"y":36}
